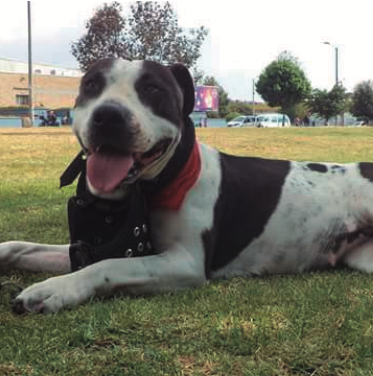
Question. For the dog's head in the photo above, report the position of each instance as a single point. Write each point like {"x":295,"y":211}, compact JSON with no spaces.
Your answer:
{"x":129,"y":119}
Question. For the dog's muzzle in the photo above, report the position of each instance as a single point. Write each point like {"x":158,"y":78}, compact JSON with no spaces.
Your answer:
{"x":109,"y":127}
{"x":112,"y":157}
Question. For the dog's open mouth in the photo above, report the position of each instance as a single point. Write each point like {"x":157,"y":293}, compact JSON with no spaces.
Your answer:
{"x":108,"y":168}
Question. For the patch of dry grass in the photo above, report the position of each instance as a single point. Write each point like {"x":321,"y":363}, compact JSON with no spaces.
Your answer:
{"x":303,"y":144}
{"x":39,"y":153}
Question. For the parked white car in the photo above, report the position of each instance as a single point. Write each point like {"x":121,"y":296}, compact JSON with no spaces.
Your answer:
{"x":243,"y":121}
{"x":273,"y":121}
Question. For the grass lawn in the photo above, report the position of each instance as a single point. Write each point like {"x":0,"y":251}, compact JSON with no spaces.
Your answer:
{"x":314,"y":324}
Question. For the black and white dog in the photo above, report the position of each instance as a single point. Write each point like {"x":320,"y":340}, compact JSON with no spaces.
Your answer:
{"x":219,"y":215}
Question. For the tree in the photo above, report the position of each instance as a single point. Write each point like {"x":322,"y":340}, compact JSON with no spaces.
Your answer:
{"x":299,"y":110}
{"x":328,"y":104}
{"x":198,"y":76}
{"x":288,"y":56}
{"x":150,"y":32}
{"x":283,"y":82}
{"x":223,"y":95}
{"x":362,"y":101}
{"x":105,"y":37}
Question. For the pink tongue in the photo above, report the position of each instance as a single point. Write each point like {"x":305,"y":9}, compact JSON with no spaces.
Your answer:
{"x":105,"y":172}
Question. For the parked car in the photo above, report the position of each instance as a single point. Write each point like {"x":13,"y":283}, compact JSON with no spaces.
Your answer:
{"x":273,"y":121}
{"x":243,"y":121}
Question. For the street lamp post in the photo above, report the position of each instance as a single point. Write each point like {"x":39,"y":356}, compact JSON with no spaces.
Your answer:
{"x":254,"y":96}
{"x":336,"y":60}
{"x":30,"y":87}
{"x":336,"y":69}
{"x":336,"y":64}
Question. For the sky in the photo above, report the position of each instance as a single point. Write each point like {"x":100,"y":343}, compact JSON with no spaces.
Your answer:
{"x":244,"y":36}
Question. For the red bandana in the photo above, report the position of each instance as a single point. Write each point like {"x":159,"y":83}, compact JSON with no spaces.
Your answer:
{"x":172,"y":197}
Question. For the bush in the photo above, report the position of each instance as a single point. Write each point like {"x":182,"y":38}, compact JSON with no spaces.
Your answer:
{"x":232,"y":115}
{"x":213,"y":115}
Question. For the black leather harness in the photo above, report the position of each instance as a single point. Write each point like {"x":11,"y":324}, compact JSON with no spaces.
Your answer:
{"x":102,"y":229}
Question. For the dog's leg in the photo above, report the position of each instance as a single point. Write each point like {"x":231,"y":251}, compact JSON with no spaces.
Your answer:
{"x":168,"y":271}
{"x":35,"y":257}
{"x":361,"y":258}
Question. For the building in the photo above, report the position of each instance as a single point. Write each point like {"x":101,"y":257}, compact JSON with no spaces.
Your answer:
{"x":53,"y":87}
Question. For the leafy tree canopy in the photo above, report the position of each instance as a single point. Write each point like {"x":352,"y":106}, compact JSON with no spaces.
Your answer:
{"x":283,"y":82}
{"x":150,"y":32}
{"x":328,"y":104}
{"x":362,"y":101}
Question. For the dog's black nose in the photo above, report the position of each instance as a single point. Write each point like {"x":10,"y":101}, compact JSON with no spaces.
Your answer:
{"x":111,"y":114}
{"x":110,"y":125}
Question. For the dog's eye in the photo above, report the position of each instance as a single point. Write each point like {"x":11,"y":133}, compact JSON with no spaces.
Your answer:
{"x":90,"y":86}
{"x":152,"y":89}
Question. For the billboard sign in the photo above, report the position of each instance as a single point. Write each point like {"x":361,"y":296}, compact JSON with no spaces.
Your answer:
{"x":206,"y":99}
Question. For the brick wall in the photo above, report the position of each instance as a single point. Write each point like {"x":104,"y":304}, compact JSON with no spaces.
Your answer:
{"x":49,"y":91}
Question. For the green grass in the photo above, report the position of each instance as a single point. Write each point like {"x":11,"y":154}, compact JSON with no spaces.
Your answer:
{"x":314,"y":324}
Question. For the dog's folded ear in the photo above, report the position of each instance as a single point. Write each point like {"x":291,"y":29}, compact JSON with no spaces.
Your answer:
{"x":185,"y":81}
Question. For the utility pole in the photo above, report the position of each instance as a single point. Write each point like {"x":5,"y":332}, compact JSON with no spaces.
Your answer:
{"x":336,"y":65}
{"x":336,"y":72}
{"x":336,"y":60}
{"x":336,"y":77}
{"x":30,"y":87}
{"x":254,"y":96}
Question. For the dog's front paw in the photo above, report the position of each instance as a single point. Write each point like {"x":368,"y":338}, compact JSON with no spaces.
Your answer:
{"x":51,"y":295}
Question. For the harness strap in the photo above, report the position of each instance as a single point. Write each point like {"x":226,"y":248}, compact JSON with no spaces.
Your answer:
{"x":76,"y":166}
